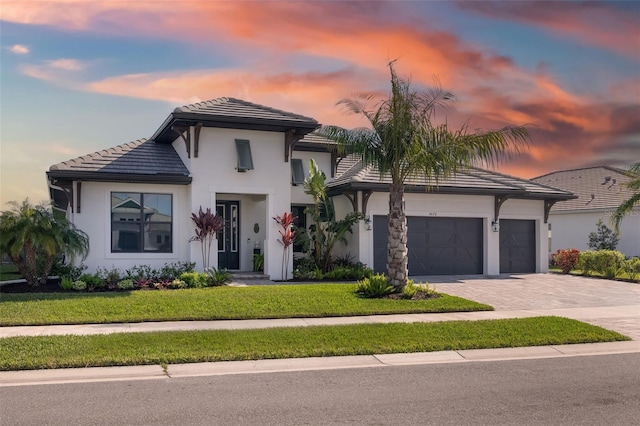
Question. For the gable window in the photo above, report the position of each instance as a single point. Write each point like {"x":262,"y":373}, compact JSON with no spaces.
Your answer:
{"x":141,"y":222}
{"x":243,"y":149}
{"x":297,"y":171}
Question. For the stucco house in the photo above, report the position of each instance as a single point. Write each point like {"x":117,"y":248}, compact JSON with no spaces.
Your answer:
{"x":247,"y":162}
{"x":599,"y":190}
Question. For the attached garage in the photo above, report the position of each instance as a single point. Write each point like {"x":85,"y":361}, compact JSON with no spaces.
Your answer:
{"x":436,"y":245}
{"x":517,"y":246}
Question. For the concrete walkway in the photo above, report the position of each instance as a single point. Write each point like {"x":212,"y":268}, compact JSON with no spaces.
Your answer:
{"x":610,"y":304}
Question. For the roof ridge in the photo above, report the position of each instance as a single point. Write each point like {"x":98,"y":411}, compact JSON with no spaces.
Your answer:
{"x":523,"y":180}
{"x":490,"y":179}
{"x":612,"y":168}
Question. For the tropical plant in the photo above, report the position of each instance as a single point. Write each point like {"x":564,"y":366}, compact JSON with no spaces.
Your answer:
{"x":374,"y":287}
{"x":218,"y":276}
{"x":287,"y":237}
{"x":195,"y":279}
{"x":627,"y":206}
{"x":603,"y":238}
{"x":126,"y":284}
{"x":409,"y":290}
{"x":632,"y":268}
{"x":207,"y":227}
{"x":566,"y":259}
{"x":258,"y":262}
{"x":34,"y":238}
{"x":404,"y":140}
{"x":325,"y":231}
{"x":66,"y":283}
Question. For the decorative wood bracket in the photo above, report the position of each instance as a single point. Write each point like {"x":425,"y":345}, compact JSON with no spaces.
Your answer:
{"x":196,"y":139}
{"x":290,"y":139}
{"x":78,"y":196}
{"x":67,"y":188}
{"x":365,"y":200}
{"x":187,"y":139}
{"x":547,"y":208}
{"x":353,"y":197}
{"x":498,"y":202}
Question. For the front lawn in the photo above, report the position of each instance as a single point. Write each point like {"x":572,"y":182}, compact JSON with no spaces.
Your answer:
{"x":8,"y":272}
{"x":20,"y":353}
{"x":215,"y":303}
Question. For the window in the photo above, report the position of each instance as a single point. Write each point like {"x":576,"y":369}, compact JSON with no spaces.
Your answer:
{"x":299,"y":222}
{"x":141,"y":222}
{"x":297,"y":171}
{"x":243,"y":149}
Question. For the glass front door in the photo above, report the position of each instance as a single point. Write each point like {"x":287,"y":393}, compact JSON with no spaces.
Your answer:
{"x":229,"y":236}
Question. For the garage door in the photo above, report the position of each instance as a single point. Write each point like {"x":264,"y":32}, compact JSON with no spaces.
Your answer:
{"x":436,"y":245}
{"x":517,"y":246}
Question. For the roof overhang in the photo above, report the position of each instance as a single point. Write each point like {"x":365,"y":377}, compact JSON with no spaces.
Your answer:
{"x":66,"y":175}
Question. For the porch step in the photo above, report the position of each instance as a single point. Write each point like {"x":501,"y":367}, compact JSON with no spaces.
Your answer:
{"x":248,"y":276}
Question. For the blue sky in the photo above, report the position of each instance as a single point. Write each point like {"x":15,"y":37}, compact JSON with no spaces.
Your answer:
{"x":78,"y":77}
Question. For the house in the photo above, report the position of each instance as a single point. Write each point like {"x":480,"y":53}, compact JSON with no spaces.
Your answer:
{"x":599,"y":190}
{"x":247,"y":162}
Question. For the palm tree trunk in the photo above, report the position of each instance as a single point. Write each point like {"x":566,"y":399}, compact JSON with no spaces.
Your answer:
{"x":397,"y":269}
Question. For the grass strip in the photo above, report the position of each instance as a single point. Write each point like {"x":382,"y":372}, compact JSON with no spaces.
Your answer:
{"x":19,"y":353}
{"x":216,"y":303}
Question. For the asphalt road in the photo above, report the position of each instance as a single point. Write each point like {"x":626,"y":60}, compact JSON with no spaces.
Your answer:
{"x":589,"y":390}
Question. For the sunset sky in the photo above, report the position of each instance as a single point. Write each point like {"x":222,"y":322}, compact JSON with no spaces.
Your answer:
{"x":82,"y":76}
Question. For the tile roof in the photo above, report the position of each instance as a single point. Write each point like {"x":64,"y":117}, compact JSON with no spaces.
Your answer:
{"x":235,"y":109}
{"x":600,"y":187}
{"x":143,"y":159}
{"x":351,"y":172}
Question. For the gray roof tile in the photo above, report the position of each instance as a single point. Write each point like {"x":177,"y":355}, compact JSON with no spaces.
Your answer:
{"x":472,"y":180}
{"x":239,"y":109}
{"x":141,"y":157}
{"x":600,"y":187}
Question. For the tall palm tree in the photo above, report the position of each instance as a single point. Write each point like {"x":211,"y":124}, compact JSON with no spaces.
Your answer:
{"x":627,"y":206}
{"x":33,"y":238}
{"x":403,"y":141}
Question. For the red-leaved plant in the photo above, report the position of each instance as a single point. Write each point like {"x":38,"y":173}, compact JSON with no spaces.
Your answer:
{"x":207,"y":226}
{"x":287,"y":237}
{"x":566,"y":259}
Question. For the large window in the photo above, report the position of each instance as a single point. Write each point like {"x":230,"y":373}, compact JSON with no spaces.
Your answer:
{"x":141,"y":222}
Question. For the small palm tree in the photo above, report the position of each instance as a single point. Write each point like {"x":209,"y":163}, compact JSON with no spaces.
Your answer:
{"x":627,"y":206}
{"x":33,"y":238}
{"x":404,"y":141}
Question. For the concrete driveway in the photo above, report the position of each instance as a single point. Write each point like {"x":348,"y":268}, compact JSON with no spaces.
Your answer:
{"x":610,"y":304}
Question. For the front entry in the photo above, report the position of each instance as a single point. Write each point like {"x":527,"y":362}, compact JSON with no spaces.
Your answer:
{"x":229,"y":237}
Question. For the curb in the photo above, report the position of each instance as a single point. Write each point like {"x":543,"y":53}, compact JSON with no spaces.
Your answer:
{"x":148,"y":372}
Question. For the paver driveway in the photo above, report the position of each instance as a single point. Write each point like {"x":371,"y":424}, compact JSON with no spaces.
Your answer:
{"x":610,"y":304}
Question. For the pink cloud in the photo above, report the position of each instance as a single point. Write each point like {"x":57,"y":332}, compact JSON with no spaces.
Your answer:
{"x":19,"y":49}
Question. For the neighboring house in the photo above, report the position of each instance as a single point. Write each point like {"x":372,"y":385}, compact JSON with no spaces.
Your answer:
{"x":600,"y":190}
{"x":247,"y":162}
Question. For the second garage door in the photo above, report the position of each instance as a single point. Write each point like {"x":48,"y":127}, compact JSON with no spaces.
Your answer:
{"x":436,"y":245}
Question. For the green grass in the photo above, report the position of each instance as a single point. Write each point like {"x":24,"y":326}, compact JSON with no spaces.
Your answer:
{"x":9,"y":272}
{"x":18,"y":353}
{"x":217,"y":303}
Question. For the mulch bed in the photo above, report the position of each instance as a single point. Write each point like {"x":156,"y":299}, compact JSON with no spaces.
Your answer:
{"x":51,"y":286}
{"x":420,"y":295}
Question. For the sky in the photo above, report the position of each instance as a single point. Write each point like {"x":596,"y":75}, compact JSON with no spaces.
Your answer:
{"x":81,"y":76}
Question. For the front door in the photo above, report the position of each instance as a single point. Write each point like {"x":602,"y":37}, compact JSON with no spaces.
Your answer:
{"x":229,"y":237}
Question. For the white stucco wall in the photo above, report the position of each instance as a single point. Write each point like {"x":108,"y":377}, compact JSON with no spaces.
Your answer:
{"x":323,"y":160}
{"x":473,"y":206}
{"x":571,"y":230}
{"x":95,"y":219}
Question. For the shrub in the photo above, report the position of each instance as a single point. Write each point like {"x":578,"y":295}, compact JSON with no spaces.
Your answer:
{"x":217,"y":277}
{"x":171,"y":271}
{"x":93,"y":280}
{"x":566,"y":259}
{"x":632,"y":268}
{"x":66,"y":283}
{"x":195,"y":279}
{"x":409,"y":290}
{"x":125,"y":284}
{"x":608,"y":262}
{"x":374,"y":287}
{"x":587,"y":261}
{"x":339,"y":273}
{"x":603,"y":238}
{"x":71,"y":271}
{"x":177,"y":283}
{"x":258,"y":262}
{"x":79,"y":285}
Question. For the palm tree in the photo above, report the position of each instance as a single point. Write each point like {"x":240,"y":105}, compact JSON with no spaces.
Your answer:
{"x":404,"y":141}
{"x":33,"y":238}
{"x":627,"y":206}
